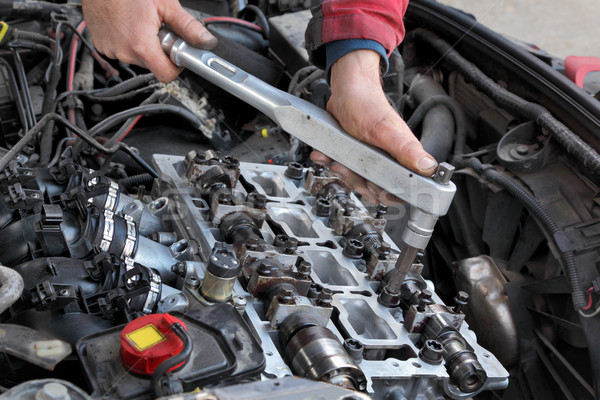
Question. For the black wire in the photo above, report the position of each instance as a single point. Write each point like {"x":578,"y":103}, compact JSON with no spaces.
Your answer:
{"x":150,"y":109}
{"x":536,"y":209}
{"x":22,"y":77}
{"x":153,"y":98}
{"x":31,"y":46}
{"x":261,"y":18}
{"x":257,"y":29}
{"x":80,"y":36}
{"x":121,"y":97}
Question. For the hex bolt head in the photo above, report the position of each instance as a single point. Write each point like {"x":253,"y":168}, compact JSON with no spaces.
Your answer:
{"x":460,"y":301}
{"x":285,"y":296}
{"x":291,"y":245}
{"x":294,"y":171}
{"x":381,"y":211}
{"x":304,"y":269}
{"x":322,"y":207}
{"x":349,"y":209}
{"x":325,"y":298}
{"x":252,"y":244}
{"x":319,"y":169}
{"x":384,"y":250}
{"x":224,"y":198}
{"x":353,"y":249}
{"x":264,"y":269}
{"x":53,"y":391}
{"x":179,"y":269}
{"x":239,"y":301}
{"x":231,"y":162}
{"x":424,"y":299}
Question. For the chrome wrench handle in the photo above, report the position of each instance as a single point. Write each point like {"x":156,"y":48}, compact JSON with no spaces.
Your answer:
{"x":429,"y":198}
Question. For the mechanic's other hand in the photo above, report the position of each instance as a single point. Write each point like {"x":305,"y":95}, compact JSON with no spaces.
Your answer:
{"x":127,"y":30}
{"x":360,"y":105}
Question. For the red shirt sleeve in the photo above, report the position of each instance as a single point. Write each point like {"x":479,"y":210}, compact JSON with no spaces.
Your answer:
{"x":376,"y":20}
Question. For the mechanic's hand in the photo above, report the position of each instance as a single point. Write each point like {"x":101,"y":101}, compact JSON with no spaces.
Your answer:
{"x":128,"y":29}
{"x":360,"y":105}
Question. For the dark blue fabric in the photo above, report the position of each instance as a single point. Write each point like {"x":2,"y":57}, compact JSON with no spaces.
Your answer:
{"x":339,"y":48}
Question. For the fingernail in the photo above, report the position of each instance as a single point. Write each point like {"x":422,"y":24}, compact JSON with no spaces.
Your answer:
{"x":209,"y":41}
{"x":426,"y":163}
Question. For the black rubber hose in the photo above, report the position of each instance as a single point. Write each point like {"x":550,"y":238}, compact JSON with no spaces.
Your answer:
{"x":126,"y":86}
{"x":135,"y":180}
{"x":32,"y":37}
{"x":457,"y":112}
{"x":438,"y":126}
{"x":537,"y":210}
{"x":182,"y":357}
{"x":511,"y":102}
{"x":149,"y":109}
{"x":48,"y":107}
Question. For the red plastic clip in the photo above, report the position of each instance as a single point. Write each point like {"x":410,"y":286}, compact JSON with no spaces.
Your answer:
{"x":577,"y":68}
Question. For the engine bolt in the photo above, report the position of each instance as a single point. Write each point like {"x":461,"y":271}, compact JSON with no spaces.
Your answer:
{"x":252,"y":244}
{"x":294,"y":171}
{"x":260,"y":201}
{"x":354,"y":348}
{"x":432,"y":352}
{"x":179,"y":269}
{"x":322,"y":207}
{"x":264,"y":269}
{"x":291,"y":245}
{"x":63,"y":292}
{"x":353,"y":249}
{"x":460,"y":301}
{"x":384,"y":250}
{"x":304,"y":269}
{"x":424,"y":299}
{"x":280,"y":240}
{"x":319,"y":169}
{"x":231,"y":162}
{"x":381,"y":211}
{"x":522,"y":149}
{"x":349,"y":209}
{"x":286,"y":296}
{"x":224,"y":198}
{"x":325,"y":298}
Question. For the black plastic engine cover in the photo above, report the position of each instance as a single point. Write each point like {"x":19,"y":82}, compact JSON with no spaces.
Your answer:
{"x":225,"y":351}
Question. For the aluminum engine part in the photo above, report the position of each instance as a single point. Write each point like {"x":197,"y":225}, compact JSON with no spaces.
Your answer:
{"x":390,"y":364}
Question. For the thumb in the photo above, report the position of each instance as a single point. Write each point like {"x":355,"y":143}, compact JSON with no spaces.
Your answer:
{"x":187,"y":27}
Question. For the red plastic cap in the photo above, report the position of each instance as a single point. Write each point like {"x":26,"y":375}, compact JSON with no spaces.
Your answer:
{"x":148,"y":341}
{"x":577,"y":68}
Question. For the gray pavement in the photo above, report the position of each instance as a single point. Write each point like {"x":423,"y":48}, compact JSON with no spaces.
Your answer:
{"x":559,"y":27}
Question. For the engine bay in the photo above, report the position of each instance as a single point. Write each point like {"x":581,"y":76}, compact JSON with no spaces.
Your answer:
{"x":169,"y":240}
